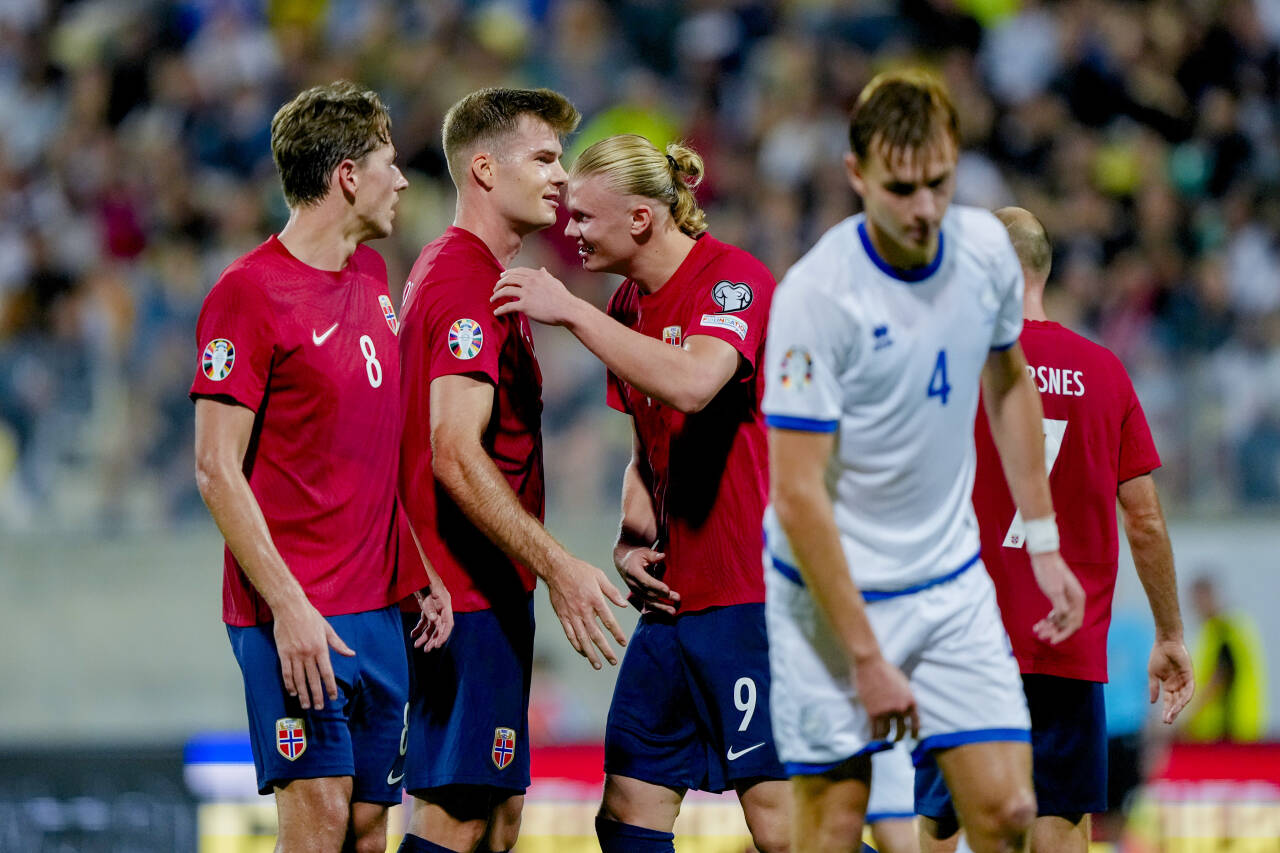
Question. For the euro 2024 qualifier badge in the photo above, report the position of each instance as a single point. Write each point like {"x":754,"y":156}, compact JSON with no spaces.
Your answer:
{"x":797,"y":368}
{"x":219,"y":357}
{"x":466,"y":338}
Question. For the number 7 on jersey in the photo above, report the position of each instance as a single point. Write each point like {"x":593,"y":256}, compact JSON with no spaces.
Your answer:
{"x":1054,"y":430}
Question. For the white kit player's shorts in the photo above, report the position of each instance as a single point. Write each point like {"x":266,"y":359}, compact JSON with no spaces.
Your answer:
{"x":947,"y":638}
{"x":893,"y":784}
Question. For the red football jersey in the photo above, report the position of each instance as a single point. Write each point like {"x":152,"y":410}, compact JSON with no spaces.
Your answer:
{"x":1096,"y":437}
{"x":707,"y":472}
{"x":449,"y":328}
{"x":314,"y":355}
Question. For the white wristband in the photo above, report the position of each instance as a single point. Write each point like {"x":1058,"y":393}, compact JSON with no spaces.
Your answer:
{"x":1041,"y":534}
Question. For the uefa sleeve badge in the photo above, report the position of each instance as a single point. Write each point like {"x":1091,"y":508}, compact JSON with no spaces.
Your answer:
{"x":219,"y":358}
{"x":291,"y":737}
{"x":732,"y":295}
{"x":465,"y":339}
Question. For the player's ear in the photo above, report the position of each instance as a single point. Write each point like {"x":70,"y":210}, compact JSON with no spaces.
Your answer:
{"x":345,"y":178}
{"x":641,"y":219}
{"x":853,"y":168}
{"x":483,"y":166}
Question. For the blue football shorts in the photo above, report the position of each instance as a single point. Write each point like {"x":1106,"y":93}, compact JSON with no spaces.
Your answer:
{"x":362,"y":734}
{"x":1068,"y":752}
{"x":469,"y":713}
{"x":691,"y":705}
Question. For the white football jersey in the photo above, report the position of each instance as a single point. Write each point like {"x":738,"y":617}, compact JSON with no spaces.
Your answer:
{"x":891,"y":361}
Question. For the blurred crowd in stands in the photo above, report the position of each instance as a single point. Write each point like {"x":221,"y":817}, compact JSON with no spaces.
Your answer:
{"x":135,"y":164}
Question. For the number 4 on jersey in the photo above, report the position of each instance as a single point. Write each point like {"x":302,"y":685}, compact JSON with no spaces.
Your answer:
{"x":1054,"y":430}
{"x":938,"y":385}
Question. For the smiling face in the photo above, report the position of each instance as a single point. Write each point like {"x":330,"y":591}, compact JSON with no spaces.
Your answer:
{"x":603,"y":223}
{"x":528,"y":176}
{"x":377,"y":191}
{"x":906,"y":193}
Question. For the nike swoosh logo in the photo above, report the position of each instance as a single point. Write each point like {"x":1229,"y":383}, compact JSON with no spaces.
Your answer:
{"x":393,"y":779}
{"x":319,"y":339}
{"x":734,"y":756}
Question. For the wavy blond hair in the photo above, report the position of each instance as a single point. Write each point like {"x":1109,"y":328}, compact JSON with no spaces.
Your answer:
{"x":633,"y":165}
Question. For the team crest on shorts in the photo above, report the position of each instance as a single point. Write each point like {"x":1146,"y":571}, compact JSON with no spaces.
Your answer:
{"x":504,"y":747}
{"x":219,"y":358}
{"x":291,"y":737}
{"x":797,"y":368}
{"x":389,"y":311}
{"x":465,"y":339}
{"x":671,"y":335}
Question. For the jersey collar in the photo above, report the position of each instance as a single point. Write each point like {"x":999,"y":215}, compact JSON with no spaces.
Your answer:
{"x":911,"y":276}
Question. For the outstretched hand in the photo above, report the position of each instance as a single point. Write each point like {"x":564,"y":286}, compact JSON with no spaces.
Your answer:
{"x":1064,"y":592}
{"x":1170,"y":668}
{"x":537,"y":293}
{"x":580,"y":594}
{"x":303,"y":639}
{"x":436,"y":623}
{"x":886,"y":695}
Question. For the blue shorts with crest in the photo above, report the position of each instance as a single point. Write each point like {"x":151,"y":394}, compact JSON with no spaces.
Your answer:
{"x":469,"y":715}
{"x":361,"y":734}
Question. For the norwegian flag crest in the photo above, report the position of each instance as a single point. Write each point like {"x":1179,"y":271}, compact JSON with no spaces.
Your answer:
{"x":504,"y":747}
{"x":389,"y":312}
{"x":291,"y":737}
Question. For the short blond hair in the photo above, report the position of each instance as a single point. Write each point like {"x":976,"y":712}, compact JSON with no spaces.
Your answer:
{"x":633,"y":165}
{"x":487,"y":114}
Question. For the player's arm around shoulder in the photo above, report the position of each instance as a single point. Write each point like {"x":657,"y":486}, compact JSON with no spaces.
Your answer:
{"x":461,"y":407}
{"x":303,"y":636}
{"x":685,"y":378}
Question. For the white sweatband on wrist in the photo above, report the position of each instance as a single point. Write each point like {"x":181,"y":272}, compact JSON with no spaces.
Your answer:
{"x":1041,"y":534}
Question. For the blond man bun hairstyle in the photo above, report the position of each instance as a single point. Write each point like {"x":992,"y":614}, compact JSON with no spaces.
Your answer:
{"x":634,"y":166}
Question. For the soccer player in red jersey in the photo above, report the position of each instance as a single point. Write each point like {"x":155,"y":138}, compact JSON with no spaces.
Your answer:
{"x":471,"y":477}
{"x":1098,"y":449}
{"x":683,"y":339}
{"x":297,"y":408}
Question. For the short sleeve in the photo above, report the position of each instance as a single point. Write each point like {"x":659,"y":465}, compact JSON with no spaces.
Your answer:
{"x":735,"y":309}
{"x":236,"y":342}
{"x":1009,"y":286}
{"x":807,"y":352}
{"x":1138,"y":454}
{"x":463,"y":337}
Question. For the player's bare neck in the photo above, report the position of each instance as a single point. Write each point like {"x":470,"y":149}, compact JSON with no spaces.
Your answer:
{"x":898,"y":256}
{"x":1033,"y":306}
{"x":318,"y":239}
{"x":494,"y":231}
{"x":656,"y":263}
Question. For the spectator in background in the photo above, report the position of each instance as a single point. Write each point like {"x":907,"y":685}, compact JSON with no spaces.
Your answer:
{"x":1230,"y":659}
{"x":124,"y":131}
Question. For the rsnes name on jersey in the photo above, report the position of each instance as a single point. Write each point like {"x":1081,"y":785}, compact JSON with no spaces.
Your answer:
{"x":1057,"y":380}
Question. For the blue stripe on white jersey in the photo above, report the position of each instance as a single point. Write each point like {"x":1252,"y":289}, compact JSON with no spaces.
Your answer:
{"x":894,"y":361}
